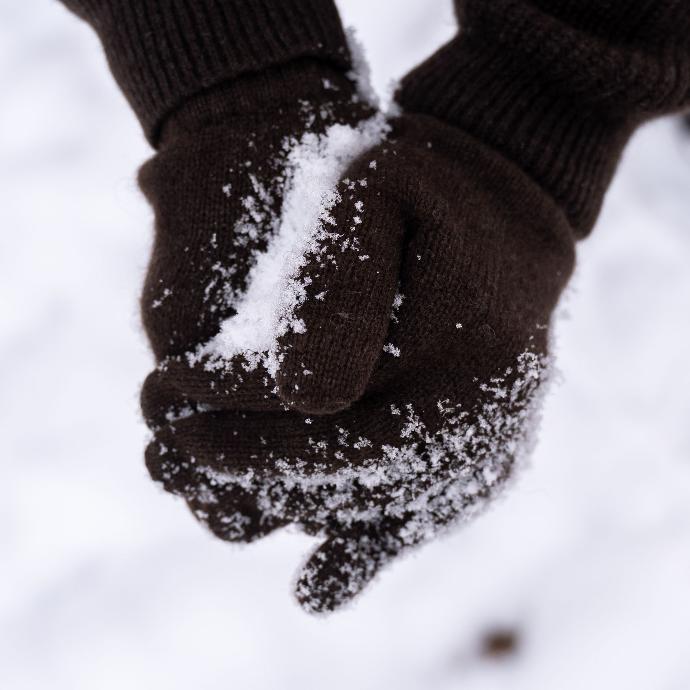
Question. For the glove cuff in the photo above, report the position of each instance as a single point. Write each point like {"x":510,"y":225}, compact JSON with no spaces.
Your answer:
{"x":572,"y":155}
{"x":285,"y":93}
{"x":558,"y":86}
{"x":163,"y":53}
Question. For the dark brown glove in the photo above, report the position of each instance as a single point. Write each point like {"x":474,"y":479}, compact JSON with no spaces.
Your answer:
{"x":220,"y":87}
{"x":216,"y":187}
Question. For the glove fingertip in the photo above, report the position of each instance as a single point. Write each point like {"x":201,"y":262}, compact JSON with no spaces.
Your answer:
{"x":322,"y":587}
{"x":318,"y":393}
{"x":237,"y":520}
{"x":339,"y":570}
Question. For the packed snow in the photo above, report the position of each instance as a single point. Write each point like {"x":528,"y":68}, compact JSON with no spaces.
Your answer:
{"x":311,"y":170}
{"x":577,"y":578}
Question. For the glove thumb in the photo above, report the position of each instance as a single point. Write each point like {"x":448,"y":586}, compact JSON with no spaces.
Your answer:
{"x":343,"y":566}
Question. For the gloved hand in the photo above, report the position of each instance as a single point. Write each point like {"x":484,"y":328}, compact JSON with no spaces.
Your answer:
{"x":430,"y":392}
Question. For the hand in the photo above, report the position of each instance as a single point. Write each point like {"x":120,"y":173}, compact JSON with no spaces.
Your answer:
{"x":430,"y":393}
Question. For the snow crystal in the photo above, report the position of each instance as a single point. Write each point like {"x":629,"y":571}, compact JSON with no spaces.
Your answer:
{"x":157,"y":303}
{"x":397,"y":303}
{"x":391,"y":349}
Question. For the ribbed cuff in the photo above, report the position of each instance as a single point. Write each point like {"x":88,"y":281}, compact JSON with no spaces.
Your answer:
{"x":163,"y":52}
{"x":558,"y":86}
{"x":624,"y":58}
{"x":479,"y":89}
{"x":617,"y":22}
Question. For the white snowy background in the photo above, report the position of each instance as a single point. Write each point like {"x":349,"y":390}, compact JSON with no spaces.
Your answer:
{"x":107,"y":583}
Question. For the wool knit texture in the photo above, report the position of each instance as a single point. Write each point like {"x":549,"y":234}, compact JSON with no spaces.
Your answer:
{"x":558,"y":86}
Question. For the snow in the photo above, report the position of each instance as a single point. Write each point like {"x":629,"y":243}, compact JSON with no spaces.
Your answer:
{"x":439,"y":476}
{"x":108,"y":583}
{"x":265,"y":312}
{"x":360,"y":73}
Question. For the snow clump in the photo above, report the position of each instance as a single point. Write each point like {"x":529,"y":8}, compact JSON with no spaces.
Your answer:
{"x":313,"y":167}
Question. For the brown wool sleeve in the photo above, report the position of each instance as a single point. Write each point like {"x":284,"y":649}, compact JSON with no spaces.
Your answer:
{"x":162,"y":52}
{"x":558,"y":86}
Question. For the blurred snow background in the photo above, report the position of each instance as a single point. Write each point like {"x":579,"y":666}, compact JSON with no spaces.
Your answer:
{"x":105,"y":582}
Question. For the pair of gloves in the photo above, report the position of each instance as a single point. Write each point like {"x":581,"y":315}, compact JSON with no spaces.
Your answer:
{"x":406,"y":395}
{"x":401,"y":385}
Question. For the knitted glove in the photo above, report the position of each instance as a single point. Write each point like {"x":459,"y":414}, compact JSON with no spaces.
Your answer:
{"x":443,"y":393}
{"x":216,"y":187}
{"x":223,"y":88}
